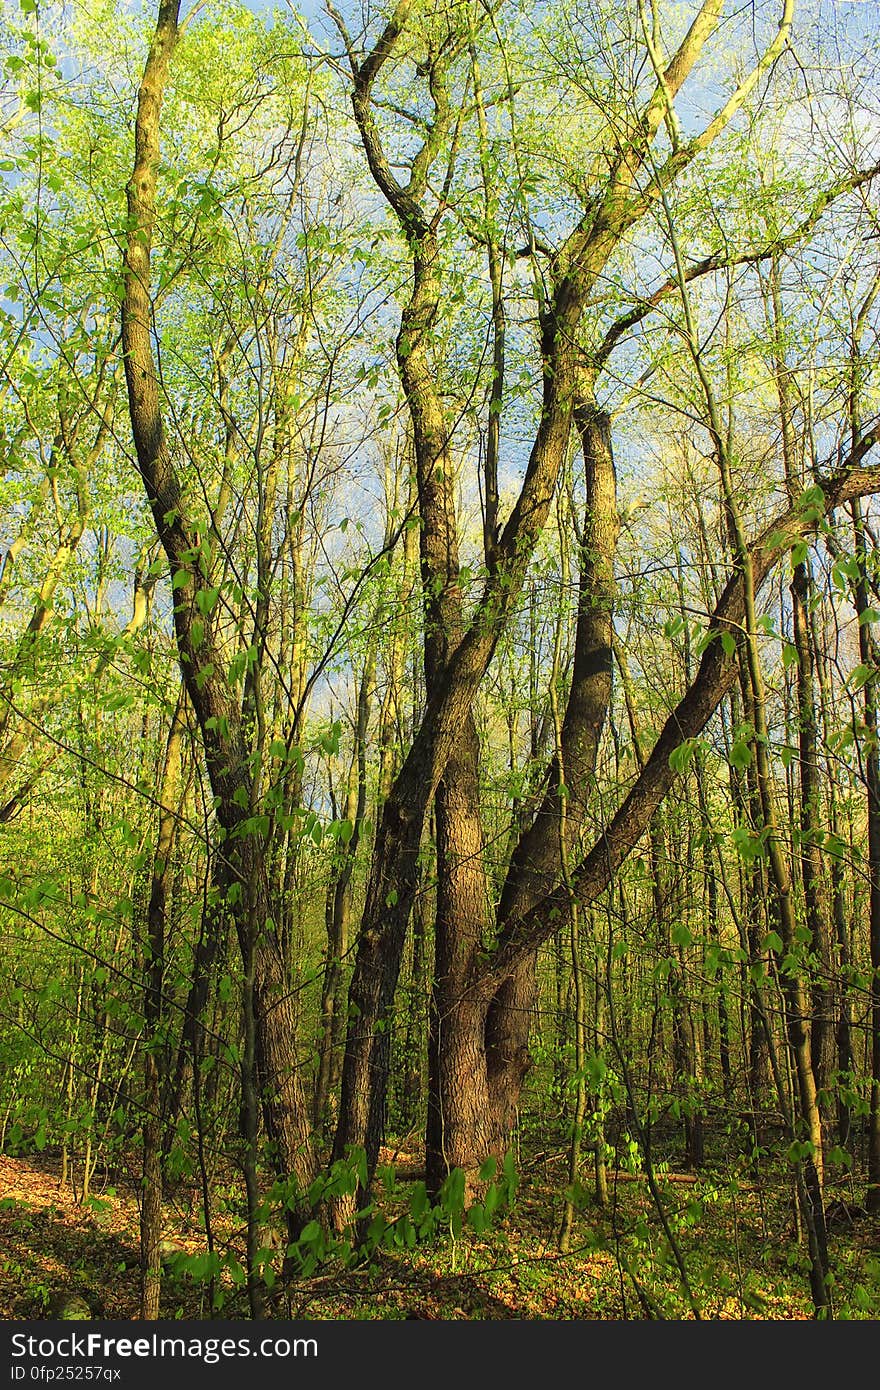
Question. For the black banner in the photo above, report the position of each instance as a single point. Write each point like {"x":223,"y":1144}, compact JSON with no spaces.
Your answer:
{"x":266,"y":1355}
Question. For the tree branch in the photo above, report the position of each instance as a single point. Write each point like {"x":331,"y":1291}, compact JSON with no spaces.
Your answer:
{"x":723,"y":260}
{"x":715,"y":675}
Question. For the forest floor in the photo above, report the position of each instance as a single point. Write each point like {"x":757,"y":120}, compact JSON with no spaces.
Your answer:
{"x":736,"y":1240}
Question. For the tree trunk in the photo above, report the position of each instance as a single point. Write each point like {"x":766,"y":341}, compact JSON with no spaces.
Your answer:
{"x":536,"y":864}
{"x":338,"y":914}
{"x":871,"y":759}
{"x":155,"y":1042}
{"x":212,"y":697}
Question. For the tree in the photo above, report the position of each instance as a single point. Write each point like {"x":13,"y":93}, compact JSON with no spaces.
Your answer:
{"x":477,"y":626}
{"x":484,"y":972}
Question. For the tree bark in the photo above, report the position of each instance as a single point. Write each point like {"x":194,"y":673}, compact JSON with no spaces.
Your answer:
{"x":871,"y":759}
{"x":156,"y":1043}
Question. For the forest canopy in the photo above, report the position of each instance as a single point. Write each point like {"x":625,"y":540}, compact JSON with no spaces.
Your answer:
{"x":439,"y":581}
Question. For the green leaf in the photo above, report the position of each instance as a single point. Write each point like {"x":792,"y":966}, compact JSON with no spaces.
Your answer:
{"x":859,"y":676}
{"x":120,"y":700}
{"x":418,"y":1202}
{"x":747,"y":844}
{"x":476,"y":1218}
{"x":452,"y":1192}
{"x":206,"y":599}
{"x":799,"y":1150}
{"x":681,"y":756}
{"x":740,"y":754}
{"x":834,"y":845}
{"x":799,"y":554}
{"x":812,"y":498}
